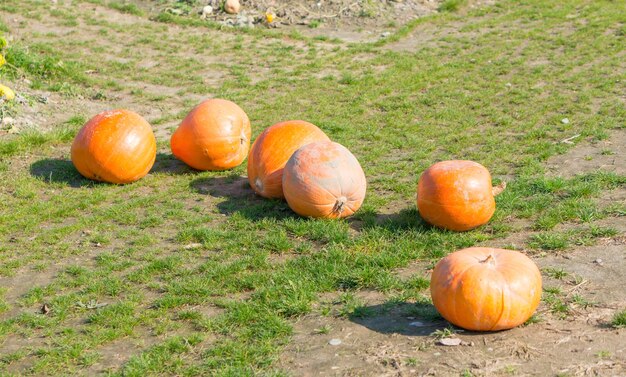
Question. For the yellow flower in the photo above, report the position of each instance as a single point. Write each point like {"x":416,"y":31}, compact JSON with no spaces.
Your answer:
{"x":269,"y":17}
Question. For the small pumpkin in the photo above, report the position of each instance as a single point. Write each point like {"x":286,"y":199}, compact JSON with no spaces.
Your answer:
{"x":486,"y":289}
{"x":272,"y":149}
{"x":456,"y":195}
{"x":323,"y":179}
{"x":215,"y":135}
{"x":116,"y":146}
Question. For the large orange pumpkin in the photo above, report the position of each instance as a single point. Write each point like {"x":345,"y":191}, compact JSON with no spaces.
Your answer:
{"x":215,"y":135}
{"x":456,"y":195}
{"x":323,"y":179}
{"x":272,"y":149}
{"x":115,"y":146}
{"x":485,"y":289}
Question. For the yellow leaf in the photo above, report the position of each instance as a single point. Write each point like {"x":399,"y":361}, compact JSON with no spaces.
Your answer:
{"x":6,"y":92}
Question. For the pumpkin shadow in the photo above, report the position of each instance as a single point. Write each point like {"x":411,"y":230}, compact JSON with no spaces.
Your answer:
{"x":404,"y":318}
{"x":405,"y":219}
{"x":166,"y":163}
{"x":236,"y":197}
{"x":53,"y":170}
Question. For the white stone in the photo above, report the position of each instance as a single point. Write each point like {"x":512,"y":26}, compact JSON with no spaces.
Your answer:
{"x":334,"y":342}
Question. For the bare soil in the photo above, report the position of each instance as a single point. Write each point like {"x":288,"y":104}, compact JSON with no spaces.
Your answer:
{"x":348,"y":20}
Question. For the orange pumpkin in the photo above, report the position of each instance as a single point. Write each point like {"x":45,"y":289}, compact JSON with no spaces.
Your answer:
{"x":115,"y":146}
{"x":215,"y":135}
{"x":456,"y":195}
{"x":323,"y":179}
{"x":485,"y":289}
{"x":272,"y":149}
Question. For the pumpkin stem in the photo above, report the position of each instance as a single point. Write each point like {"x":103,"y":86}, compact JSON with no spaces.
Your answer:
{"x":259,"y":184}
{"x":341,"y":202}
{"x":497,"y":190}
{"x":489,"y":257}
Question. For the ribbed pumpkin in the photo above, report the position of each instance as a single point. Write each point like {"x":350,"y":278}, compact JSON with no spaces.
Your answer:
{"x":323,"y":179}
{"x":215,"y":135}
{"x":115,"y":146}
{"x":272,"y":149}
{"x":485,"y":289}
{"x":456,"y":195}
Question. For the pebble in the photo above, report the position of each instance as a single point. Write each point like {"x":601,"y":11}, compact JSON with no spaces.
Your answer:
{"x":449,"y":342}
{"x":206,"y":11}
{"x":508,"y":85}
{"x":334,"y":342}
{"x":565,"y":121}
{"x":417,"y":324}
{"x":7,"y":121}
{"x":385,"y":34}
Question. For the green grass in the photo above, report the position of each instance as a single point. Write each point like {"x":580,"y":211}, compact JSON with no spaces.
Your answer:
{"x":619,"y":320}
{"x":451,"y":5}
{"x":124,"y":7}
{"x":195,"y":273}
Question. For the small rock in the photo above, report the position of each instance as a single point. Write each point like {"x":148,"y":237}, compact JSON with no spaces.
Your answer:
{"x":334,"y":342}
{"x":418,"y":324}
{"x":449,"y":341}
{"x":410,"y":318}
{"x":385,"y":34}
{"x":437,"y":354}
{"x":232,"y":6}
{"x":192,"y":246}
{"x":206,"y":11}
{"x":490,"y":349}
{"x":508,"y":85}
{"x":7,"y":121}
{"x":45,"y":309}
{"x":565,"y":121}
{"x":599,"y":262}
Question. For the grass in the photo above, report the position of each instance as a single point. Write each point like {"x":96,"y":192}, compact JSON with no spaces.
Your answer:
{"x":199,"y":276}
{"x":451,"y":5}
{"x":619,"y":320}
